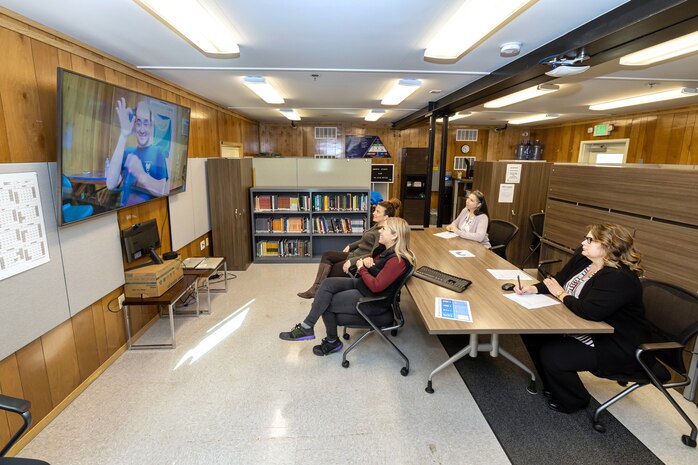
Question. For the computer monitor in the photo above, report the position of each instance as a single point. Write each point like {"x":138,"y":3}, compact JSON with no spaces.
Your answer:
{"x":141,"y":239}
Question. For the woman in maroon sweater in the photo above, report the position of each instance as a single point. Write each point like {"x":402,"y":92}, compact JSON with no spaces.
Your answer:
{"x":378,"y":275}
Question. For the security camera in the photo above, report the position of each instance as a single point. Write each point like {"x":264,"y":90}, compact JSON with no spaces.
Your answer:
{"x":293,"y":124}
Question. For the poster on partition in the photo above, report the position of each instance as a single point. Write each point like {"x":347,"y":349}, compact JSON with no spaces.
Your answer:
{"x":365,"y":147}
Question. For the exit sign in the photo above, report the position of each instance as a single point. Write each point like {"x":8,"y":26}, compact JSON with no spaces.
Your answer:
{"x":603,"y":129}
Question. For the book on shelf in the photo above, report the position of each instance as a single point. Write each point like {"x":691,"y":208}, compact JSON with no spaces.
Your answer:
{"x":295,"y":224}
{"x":283,"y":202}
{"x":262,"y":202}
{"x":277,"y":225}
{"x":262,"y":225}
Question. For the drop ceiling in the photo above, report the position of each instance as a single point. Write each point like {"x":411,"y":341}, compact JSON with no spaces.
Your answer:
{"x":358,"y":49}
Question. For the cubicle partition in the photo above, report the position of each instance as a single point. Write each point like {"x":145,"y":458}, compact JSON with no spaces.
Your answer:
{"x":658,"y":203}
{"x":84,"y":265}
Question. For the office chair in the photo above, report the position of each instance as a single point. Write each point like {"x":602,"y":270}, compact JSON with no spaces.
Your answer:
{"x":501,"y":233}
{"x":20,"y":407}
{"x":672,"y":314}
{"x":536,"y":221}
{"x":380,"y":324}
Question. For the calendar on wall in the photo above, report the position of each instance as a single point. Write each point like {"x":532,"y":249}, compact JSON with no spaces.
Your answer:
{"x":23,"y":242}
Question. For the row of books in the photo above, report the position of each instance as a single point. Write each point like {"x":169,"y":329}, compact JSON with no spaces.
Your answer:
{"x":336,"y":225}
{"x":281,"y":225}
{"x":340,"y":202}
{"x":320,"y":203}
{"x":283,"y":248}
{"x":282,"y":202}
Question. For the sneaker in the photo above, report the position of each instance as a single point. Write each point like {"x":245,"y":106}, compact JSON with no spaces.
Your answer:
{"x":298,"y":333}
{"x":327,"y":347}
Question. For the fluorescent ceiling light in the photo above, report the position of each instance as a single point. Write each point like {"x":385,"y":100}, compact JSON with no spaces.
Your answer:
{"x":400,"y":91}
{"x":459,"y":115}
{"x":533,"y":118}
{"x":206,"y":29}
{"x":664,"y":51}
{"x":648,"y":98}
{"x":520,"y":96}
{"x":261,"y":87}
{"x":290,"y":113}
{"x":374,"y":115}
{"x":474,"y":20}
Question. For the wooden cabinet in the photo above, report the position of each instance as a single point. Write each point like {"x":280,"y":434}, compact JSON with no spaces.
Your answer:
{"x":229,"y":183}
{"x":299,"y":225}
{"x":414,"y":184}
{"x":529,"y":197}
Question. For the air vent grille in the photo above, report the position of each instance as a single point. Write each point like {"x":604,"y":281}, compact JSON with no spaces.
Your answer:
{"x":465,"y":135}
{"x":325,"y":132}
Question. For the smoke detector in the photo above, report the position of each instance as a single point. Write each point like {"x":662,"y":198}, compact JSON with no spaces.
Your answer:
{"x":510,"y":49}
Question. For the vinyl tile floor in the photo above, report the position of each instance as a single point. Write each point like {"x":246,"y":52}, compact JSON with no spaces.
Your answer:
{"x":232,"y":392}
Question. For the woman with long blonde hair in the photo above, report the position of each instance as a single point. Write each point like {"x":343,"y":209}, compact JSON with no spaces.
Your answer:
{"x":377,"y":275}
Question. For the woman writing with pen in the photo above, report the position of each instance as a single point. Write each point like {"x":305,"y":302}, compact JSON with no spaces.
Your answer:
{"x":601,"y":283}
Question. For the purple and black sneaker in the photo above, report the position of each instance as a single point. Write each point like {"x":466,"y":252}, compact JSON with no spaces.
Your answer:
{"x":298,"y":333}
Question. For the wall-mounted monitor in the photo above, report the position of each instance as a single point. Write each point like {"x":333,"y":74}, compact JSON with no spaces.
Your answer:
{"x":116,"y":147}
{"x":140,"y":240}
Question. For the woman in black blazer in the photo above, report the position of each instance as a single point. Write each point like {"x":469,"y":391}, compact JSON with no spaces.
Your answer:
{"x":600,"y":284}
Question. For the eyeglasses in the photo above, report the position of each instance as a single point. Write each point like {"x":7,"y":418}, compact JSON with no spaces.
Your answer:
{"x":588,"y":240}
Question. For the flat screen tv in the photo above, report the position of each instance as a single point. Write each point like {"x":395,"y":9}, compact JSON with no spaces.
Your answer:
{"x":117,"y":147}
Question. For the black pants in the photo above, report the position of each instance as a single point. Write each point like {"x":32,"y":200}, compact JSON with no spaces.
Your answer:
{"x":558,"y":360}
{"x":336,"y":300}
{"x":336,"y":261}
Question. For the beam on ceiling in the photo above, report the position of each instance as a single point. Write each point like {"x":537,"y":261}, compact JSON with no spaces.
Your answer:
{"x":630,"y":27}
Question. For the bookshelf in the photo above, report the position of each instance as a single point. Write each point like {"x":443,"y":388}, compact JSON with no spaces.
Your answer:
{"x":300,"y":224}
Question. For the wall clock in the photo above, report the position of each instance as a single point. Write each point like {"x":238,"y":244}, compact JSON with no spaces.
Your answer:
{"x":465,"y":148}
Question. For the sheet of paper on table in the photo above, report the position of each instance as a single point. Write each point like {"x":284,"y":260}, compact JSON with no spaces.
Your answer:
{"x":531,"y":301}
{"x":509,"y":274}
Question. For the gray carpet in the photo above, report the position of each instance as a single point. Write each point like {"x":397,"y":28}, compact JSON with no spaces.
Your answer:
{"x":531,"y":433}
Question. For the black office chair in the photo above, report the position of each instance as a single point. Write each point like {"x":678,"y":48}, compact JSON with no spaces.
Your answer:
{"x":380,"y":324}
{"x":20,"y":407}
{"x":672,"y":314}
{"x":501,"y":233}
{"x":536,"y":221}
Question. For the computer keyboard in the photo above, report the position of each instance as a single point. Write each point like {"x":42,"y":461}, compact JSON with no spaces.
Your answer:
{"x":454,"y":283}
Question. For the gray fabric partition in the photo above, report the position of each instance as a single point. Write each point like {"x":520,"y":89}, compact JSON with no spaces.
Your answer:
{"x":189,"y":212}
{"x":85,"y":265}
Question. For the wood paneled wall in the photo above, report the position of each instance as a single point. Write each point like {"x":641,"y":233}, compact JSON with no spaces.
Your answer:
{"x":663,"y":137}
{"x":49,"y":369}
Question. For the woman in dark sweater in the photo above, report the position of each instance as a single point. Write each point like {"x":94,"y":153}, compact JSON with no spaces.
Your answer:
{"x":600,"y":284}
{"x":377,"y":275}
{"x":337,"y":264}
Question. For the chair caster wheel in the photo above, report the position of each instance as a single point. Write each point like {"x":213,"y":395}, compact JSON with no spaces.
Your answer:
{"x":429,"y":389}
{"x":393,"y":332}
{"x":599,"y":427}
{"x":346,"y":336}
{"x":531,"y":388}
{"x":686,"y":439}
{"x":345,"y":363}
{"x":404,"y":371}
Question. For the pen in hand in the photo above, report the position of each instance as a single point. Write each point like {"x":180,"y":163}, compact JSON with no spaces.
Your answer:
{"x":519,"y":280}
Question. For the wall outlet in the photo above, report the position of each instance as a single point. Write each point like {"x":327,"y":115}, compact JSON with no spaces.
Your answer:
{"x":207,"y":242}
{"x":202,"y":244}
{"x":121,"y":300}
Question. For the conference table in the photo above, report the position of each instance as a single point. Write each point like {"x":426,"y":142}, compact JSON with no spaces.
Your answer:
{"x":492,"y":313}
